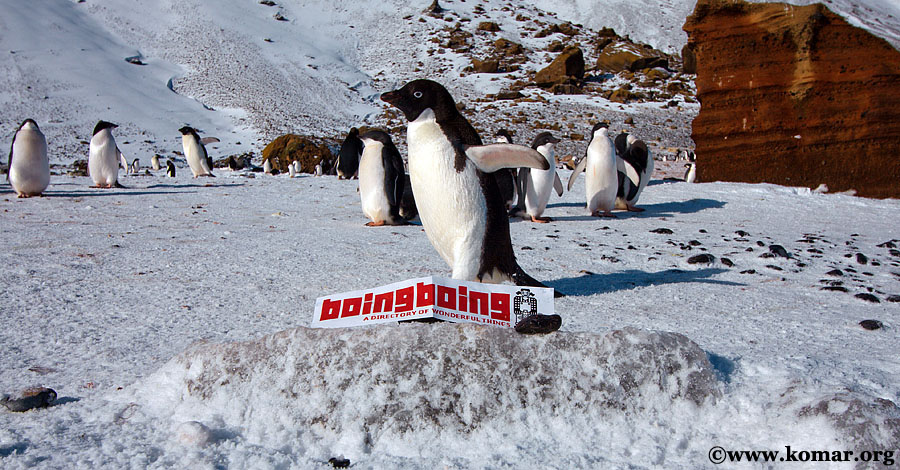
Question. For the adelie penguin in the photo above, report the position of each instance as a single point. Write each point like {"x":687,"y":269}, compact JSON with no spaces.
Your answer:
{"x":459,"y":203}
{"x":635,"y":166}
{"x":690,"y":173}
{"x":105,"y":157}
{"x":347,"y":163}
{"x":195,"y":152}
{"x":29,"y":167}
{"x":601,"y":176}
{"x":540,"y":183}
{"x":381,"y":179}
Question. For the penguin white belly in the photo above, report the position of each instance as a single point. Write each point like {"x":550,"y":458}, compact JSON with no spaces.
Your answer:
{"x":451,"y":204}
{"x":537,"y":192}
{"x":194,"y":156}
{"x":103,"y":161}
{"x":601,"y":178}
{"x":29,"y":173}
{"x":375,"y":204}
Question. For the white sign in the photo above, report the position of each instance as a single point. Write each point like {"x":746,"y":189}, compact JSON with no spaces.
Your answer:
{"x":433,"y":297}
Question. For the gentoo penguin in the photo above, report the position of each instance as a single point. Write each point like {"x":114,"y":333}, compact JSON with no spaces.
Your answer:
{"x":195,"y":152}
{"x":380,"y":179}
{"x":170,"y":169}
{"x":690,"y":175}
{"x":267,"y":166}
{"x":601,"y":180}
{"x":458,"y":200}
{"x":540,"y":182}
{"x":506,"y":177}
{"x":154,"y":162}
{"x":348,"y":157}
{"x":29,"y":167}
{"x":635,"y":166}
{"x":104,"y":157}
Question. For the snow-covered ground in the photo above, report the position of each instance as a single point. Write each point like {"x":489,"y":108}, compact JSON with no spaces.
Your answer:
{"x":105,"y":288}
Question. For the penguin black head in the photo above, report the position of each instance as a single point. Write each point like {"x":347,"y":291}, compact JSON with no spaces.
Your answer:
{"x":419,"y":95}
{"x":103,"y":125}
{"x":188,"y":130}
{"x":544,"y":138}
{"x":378,"y":135}
{"x":505,"y":134}
{"x":599,"y":125}
{"x":354,"y":132}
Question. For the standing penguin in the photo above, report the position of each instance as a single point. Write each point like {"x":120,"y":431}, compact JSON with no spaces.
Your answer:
{"x":104,"y":157}
{"x":458,"y":200}
{"x":381,"y":179}
{"x":154,"y":162}
{"x":635,"y":166}
{"x":195,"y":152}
{"x":318,"y":170}
{"x":690,"y":175}
{"x":170,"y":169}
{"x":601,"y":180}
{"x":292,"y":169}
{"x":540,"y":182}
{"x":348,"y":157}
{"x":29,"y":167}
{"x":267,"y":166}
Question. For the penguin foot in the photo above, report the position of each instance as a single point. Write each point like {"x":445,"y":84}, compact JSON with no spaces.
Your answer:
{"x":380,"y":223}
{"x":541,"y":220}
{"x":22,"y":196}
{"x":538,"y":324}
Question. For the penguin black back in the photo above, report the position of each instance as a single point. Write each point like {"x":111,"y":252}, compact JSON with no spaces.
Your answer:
{"x":348,"y":156}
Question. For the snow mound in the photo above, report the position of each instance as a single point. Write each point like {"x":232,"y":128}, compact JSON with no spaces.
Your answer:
{"x":351,"y":390}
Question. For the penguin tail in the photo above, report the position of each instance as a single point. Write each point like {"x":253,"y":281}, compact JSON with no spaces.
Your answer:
{"x":521,"y":278}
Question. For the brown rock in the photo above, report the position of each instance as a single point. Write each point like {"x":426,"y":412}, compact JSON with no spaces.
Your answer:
{"x":795,"y":96}
{"x":489,"y":26}
{"x":620,"y":55}
{"x":485,"y":66}
{"x":289,"y":147}
{"x":566,"y":68}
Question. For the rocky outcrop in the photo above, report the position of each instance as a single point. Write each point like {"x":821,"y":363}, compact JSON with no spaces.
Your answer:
{"x":617,"y":54}
{"x":567,"y":68}
{"x":794,"y":96}
{"x":289,"y":147}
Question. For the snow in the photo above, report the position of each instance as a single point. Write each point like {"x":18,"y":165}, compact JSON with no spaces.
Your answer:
{"x":172,"y":317}
{"x":108,"y":292}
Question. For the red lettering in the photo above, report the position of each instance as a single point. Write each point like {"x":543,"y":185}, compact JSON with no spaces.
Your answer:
{"x":404,"y":299}
{"x":446,"y":297}
{"x":384,"y":302}
{"x":367,"y":304}
{"x":462,"y":298}
{"x":478,"y":303}
{"x":424,"y":295}
{"x":330,"y":309}
{"x":500,"y":306}
{"x":351,"y":307}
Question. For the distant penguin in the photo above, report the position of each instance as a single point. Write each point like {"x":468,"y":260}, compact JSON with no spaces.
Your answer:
{"x":318,"y":169}
{"x":292,"y":170}
{"x":506,"y":177}
{"x":29,"y":167}
{"x":267,"y":166}
{"x":348,"y":157}
{"x":135,"y":166}
{"x":154,"y":162}
{"x":458,"y":200}
{"x":170,"y":169}
{"x":195,"y":152}
{"x":635,"y":166}
{"x":601,"y":180}
{"x":690,"y":175}
{"x":296,"y":164}
{"x":104,"y":157}
{"x":380,"y":179}
{"x":540,"y":183}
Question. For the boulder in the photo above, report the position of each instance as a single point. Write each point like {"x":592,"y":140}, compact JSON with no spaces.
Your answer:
{"x":289,"y":147}
{"x":568,"y":67}
{"x":795,"y":96}
{"x":620,"y":54}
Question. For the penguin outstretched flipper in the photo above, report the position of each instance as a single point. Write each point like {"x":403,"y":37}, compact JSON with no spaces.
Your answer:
{"x":578,"y":169}
{"x":557,"y":185}
{"x":492,"y":157}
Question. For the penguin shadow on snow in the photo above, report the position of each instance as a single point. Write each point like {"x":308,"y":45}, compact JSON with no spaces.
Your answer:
{"x":590,"y":284}
{"x":663,"y":209}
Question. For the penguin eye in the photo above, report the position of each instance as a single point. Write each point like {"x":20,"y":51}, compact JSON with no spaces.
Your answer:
{"x":417,"y":94}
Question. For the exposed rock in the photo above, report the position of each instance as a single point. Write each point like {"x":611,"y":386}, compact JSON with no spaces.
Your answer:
{"x":689,"y":59}
{"x":485,"y":66}
{"x":568,"y":67}
{"x":621,"y":54}
{"x":289,"y":147}
{"x":795,"y":96}
{"x":488,"y":26}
